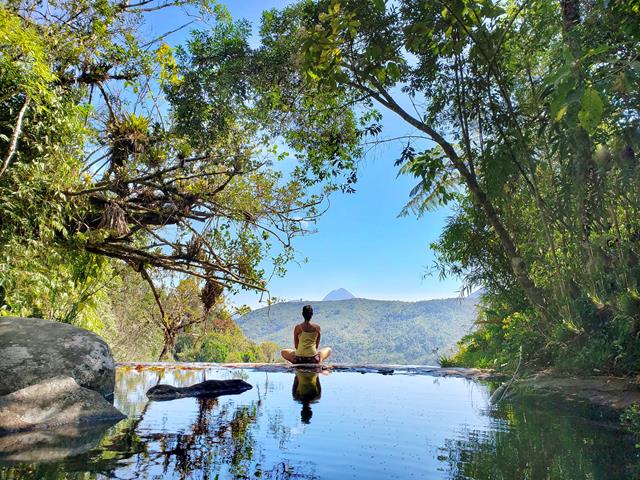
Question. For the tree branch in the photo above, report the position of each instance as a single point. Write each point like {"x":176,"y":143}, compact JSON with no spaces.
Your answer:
{"x":13,"y":143}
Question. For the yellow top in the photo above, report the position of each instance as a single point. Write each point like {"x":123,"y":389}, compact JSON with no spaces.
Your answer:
{"x":307,"y":344}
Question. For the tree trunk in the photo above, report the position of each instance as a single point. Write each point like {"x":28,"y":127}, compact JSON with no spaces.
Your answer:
{"x":570,"y":14}
{"x":518,"y":266}
{"x":167,"y":348}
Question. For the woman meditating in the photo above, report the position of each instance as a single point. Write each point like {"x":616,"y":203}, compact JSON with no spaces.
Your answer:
{"x":306,"y":339}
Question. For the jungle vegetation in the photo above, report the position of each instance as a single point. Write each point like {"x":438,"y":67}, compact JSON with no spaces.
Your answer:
{"x":124,"y":179}
{"x":119,"y":151}
{"x":523,"y":115}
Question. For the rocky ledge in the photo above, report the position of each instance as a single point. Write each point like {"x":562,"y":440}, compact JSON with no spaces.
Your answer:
{"x":610,"y":393}
{"x":385,"y":369}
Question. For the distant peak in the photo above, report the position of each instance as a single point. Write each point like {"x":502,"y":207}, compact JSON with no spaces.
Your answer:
{"x":339,"y":294}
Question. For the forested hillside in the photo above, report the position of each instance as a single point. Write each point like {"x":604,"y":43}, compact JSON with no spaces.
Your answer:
{"x":371,"y":331}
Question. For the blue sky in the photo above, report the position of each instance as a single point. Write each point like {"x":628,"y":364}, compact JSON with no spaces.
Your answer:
{"x":360,"y":244}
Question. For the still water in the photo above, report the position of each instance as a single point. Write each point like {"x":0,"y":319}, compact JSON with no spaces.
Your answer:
{"x":342,"y":425}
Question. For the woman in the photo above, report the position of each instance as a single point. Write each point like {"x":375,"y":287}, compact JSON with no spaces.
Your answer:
{"x":306,"y":339}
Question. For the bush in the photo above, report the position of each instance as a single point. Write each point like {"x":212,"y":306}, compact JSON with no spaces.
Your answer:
{"x":630,"y":419}
{"x":445,"y":361}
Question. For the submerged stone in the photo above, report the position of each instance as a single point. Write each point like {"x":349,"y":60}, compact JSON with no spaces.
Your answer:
{"x":209,"y":388}
{"x":33,"y":350}
{"x":55,"y":401}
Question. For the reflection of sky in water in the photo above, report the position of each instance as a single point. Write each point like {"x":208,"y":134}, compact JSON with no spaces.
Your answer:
{"x":364,"y":426}
{"x":361,"y":426}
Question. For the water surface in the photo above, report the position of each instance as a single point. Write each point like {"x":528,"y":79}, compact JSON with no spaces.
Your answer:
{"x":338,"y":426}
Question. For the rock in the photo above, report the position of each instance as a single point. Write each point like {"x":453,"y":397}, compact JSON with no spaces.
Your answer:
{"x":32,"y":350}
{"x":209,"y":388}
{"x":55,"y":401}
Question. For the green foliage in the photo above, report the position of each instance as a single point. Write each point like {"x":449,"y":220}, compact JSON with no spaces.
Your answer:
{"x":225,"y":346}
{"x":524,"y":116}
{"x":116,"y":151}
{"x":532,"y":114}
{"x":630,"y":419}
{"x":446,"y":361}
{"x":370,"y":331}
{"x":212,"y":349}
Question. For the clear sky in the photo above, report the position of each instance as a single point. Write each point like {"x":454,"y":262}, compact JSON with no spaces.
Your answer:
{"x":360,"y":244}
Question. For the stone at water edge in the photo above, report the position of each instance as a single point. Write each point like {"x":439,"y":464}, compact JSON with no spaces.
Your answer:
{"x":55,"y":401}
{"x":33,"y":350}
{"x":208,"y":388}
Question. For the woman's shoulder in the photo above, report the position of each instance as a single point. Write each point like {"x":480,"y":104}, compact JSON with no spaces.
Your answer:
{"x":304,"y":327}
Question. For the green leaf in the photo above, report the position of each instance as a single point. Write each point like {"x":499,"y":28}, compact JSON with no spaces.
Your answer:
{"x":393,"y":70}
{"x":560,"y":113}
{"x":379,"y":4}
{"x":591,"y":109}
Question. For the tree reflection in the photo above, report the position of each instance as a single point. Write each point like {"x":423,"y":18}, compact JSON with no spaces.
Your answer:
{"x":219,"y":443}
{"x":539,"y":444}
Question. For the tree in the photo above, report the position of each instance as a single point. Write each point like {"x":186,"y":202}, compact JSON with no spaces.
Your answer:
{"x":523,"y":113}
{"x":102,"y":157}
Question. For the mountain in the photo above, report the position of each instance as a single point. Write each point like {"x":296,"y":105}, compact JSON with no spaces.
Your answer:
{"x":371,"y":331}
{"x":477,"y":295}
{"x":339,"y":294}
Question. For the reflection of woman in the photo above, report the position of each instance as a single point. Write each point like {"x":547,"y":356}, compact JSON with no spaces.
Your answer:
{"x":306,"y":390}
{"x":306,"y":339}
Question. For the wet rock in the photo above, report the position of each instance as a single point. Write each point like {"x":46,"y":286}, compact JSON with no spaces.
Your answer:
{"x":33,"y":350}
{"x":55,"y":401}
{"x":209,"y":388}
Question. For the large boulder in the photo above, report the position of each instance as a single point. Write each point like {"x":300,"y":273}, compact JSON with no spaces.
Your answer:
{"x":53,"y":402}
{"x":33,"y":350}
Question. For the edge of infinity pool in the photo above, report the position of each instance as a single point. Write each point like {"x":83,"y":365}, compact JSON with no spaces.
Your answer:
{"x":383,"y":369}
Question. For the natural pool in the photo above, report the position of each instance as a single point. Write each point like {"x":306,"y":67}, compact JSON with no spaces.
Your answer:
{"x":343,"y":425}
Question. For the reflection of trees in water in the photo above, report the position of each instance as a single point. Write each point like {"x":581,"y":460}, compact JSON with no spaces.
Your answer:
{"x":541,"y":445}
{"x":214,"y":441}
{"x":221,"y":441}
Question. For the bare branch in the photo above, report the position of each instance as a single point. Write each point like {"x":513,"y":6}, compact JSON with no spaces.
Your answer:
{"x":149,"y":280}
{"x":13,"y":143}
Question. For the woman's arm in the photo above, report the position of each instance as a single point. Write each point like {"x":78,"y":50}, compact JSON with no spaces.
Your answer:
{"x":295,"y":337}
{"x":318,"y":338}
